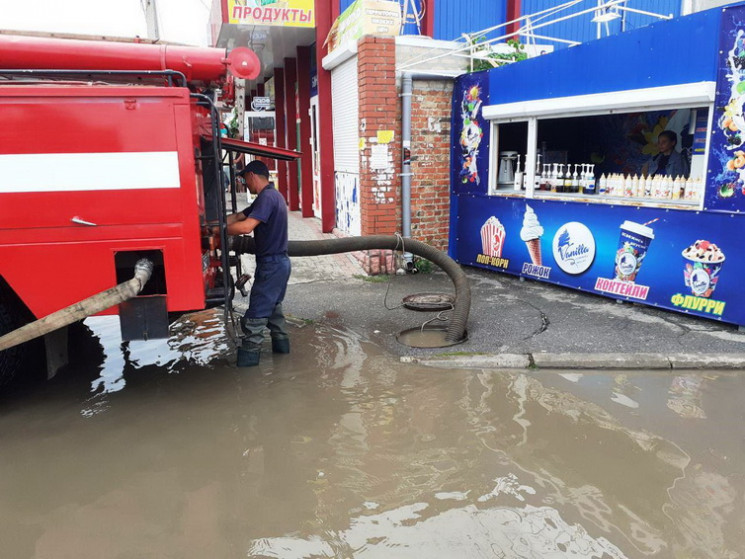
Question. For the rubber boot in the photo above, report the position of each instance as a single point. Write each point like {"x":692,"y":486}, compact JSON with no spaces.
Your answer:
{"x":280,"y":345}
{"x":249,"y":353}
{"x":248,"y":357}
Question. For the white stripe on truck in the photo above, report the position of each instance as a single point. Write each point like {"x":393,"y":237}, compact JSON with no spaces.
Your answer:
{"x":69,"y":172}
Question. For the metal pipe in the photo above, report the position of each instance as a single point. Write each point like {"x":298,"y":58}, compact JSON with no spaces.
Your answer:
{"x":196,"y":63}
{"x":406,"y":89}
{"x":82,"y":309}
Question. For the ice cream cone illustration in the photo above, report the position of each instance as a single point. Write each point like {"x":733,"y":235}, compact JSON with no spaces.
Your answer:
{"x":534,"y":248}
{"x":531,"y":234}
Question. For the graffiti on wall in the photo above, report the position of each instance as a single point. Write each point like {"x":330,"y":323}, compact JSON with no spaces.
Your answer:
{"x":348,"y":217}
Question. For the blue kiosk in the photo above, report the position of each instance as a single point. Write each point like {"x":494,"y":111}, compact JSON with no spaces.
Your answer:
{"x":615,"y":167}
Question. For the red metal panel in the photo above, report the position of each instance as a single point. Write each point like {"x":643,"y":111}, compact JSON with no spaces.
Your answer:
{"x":513,"y":13}
{"x":306,"y":165}
{"x":293,"y":188}
{"x":261,"y":150}
{"x":37,"y":239}
{"x":324,"y":20}
{"x":428,"y":25}
{"x":279,"y":116}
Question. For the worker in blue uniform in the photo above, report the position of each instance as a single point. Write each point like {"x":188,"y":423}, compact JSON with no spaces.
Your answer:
{"x":266,"y":217}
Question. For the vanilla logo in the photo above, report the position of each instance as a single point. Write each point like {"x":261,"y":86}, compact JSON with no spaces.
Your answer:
{"x":574,"y":248}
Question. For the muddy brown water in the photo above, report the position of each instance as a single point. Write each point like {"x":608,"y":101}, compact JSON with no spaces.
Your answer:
{"x":166,"y":450}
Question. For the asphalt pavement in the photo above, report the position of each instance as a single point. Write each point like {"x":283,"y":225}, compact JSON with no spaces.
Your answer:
{"x":513,"y":323}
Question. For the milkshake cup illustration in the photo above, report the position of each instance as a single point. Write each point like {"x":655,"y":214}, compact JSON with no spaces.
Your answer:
{"x":492,"y":237}
{"x":531,"y":234}
{"x":703,"y":262}
{"x":632,"y":248}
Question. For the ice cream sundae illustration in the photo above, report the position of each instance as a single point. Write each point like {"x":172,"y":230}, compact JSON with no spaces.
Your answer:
{"x":703,"y":262}
{"x":492,"y":237}
{"x":531,"y":234}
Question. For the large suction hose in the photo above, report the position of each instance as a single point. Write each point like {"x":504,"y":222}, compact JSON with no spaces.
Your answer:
{"x":456,"y":331}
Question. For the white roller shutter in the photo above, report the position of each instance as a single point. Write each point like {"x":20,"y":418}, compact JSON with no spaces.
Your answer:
{"x":345,"y":111}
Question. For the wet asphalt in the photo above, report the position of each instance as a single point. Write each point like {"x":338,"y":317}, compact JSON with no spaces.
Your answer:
{"x":165,"y":449}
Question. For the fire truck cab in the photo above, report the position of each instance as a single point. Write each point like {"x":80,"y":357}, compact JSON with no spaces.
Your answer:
{"x":109,"y":153}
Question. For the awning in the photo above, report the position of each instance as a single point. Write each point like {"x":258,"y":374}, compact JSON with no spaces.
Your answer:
{"x":257,"y":149}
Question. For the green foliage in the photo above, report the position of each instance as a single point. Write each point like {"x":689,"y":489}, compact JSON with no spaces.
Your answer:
{"x":233,"y":125}
{"x":423,"y":266}
{"x":489,"y":59}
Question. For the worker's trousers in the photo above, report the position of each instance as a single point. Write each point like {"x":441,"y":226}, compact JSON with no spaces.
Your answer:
{"x":265,"y":303}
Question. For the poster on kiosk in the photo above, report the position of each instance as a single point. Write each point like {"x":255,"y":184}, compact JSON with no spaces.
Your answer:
{"x":622,"y":179}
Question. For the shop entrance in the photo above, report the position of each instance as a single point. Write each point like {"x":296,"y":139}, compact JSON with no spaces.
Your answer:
{"x":259,"y":128}
{"x":315,"y":148}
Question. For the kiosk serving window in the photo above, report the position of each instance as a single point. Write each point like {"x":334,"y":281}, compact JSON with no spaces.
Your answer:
{"x":638,"y":147}
{"x":509,"y":157}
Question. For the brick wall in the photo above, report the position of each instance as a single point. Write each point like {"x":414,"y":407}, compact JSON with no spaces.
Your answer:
{"x":430,"y":166}
{"x":380,"y":153}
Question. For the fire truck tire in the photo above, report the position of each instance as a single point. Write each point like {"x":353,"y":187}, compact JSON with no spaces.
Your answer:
{"x":11,"y":360}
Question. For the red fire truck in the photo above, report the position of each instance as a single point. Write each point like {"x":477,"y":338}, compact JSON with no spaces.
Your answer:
{"x":110,"y":154}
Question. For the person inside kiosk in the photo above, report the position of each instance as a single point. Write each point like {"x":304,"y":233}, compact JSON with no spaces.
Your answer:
{"x":668,"y":161}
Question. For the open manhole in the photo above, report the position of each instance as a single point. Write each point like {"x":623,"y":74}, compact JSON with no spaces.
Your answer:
{"x":429,"y":302}
{"x":428,"y":336}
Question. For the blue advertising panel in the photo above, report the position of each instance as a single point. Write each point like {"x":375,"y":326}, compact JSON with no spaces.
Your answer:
{"x":675,"y":259}
{"x":726,"y":172}
{"x":469,"y":140}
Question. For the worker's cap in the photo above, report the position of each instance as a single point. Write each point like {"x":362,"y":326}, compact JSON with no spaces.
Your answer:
{"x":256,"y":167}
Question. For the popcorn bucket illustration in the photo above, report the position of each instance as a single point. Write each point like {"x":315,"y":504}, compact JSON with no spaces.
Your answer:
{"x":492,"y":237}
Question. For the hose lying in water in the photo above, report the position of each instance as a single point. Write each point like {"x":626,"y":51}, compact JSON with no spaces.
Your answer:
{"x":456,"y":330}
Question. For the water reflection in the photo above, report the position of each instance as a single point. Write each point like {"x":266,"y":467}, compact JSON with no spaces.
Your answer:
{"x":195,"y":339}
{"x":337,"y":450}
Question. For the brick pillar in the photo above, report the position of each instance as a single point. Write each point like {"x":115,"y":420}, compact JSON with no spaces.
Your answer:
{"x":380,"y":158}
{"x":430,"y":166}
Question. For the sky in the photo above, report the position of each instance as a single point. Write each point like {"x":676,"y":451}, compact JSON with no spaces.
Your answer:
{"x":180,"y":21}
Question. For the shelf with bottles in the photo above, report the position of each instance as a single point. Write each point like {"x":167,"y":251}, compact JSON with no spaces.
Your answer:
{"x":565,"y":178}
{"x":575,"y":181}
{"x":660,"y":189}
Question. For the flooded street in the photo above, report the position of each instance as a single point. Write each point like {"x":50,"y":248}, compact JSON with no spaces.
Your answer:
{"x":338,"y":450}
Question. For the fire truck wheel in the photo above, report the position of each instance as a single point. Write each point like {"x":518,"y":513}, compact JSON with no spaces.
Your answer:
{"x":11,"y":360}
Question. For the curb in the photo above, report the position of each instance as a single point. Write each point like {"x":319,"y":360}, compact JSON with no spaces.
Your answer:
{"x":601,"y":361}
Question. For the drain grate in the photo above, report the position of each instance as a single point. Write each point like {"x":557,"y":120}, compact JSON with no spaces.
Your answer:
{"x":429,"y":302}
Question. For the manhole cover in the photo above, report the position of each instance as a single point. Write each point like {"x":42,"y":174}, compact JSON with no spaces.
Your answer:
{"x":428,"y":302}
{"x":428,"y":336}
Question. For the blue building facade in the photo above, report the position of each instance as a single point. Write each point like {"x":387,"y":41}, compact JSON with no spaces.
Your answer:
{"x":452,"y":18}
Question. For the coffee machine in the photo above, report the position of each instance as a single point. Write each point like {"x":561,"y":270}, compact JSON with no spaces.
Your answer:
{"x":506,"y":174}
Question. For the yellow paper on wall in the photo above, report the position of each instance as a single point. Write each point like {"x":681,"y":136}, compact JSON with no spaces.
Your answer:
{"x":385,"y":136}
